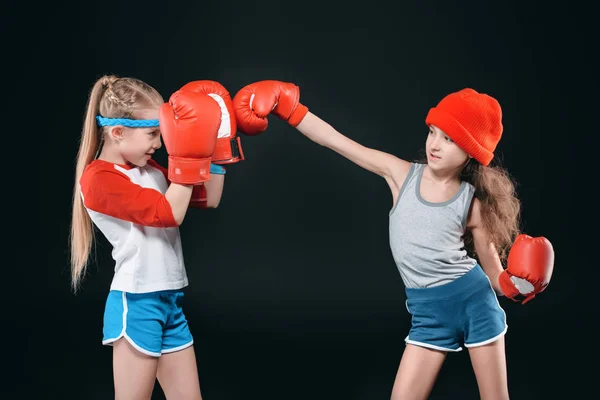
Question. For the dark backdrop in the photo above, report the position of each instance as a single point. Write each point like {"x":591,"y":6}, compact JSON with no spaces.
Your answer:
{"x":294,"y":293}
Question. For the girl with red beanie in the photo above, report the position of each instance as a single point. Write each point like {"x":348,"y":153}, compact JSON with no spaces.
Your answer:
{"x":453,"y":201}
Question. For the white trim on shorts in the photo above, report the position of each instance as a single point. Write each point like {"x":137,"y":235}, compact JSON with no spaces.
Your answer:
{"x":430,"y":346}
{"x":421,"y":344}
{"x":178,"y":348}
{"x":498,"y":336}
{"x":123,"y":334}
{"x":489,"y":340}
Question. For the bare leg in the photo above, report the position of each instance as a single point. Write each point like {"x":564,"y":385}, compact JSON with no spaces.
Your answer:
{"x":417,"y":373}
{"x":178,"y":375}
{"x":134,"y":373}
{"x":489,"y":364}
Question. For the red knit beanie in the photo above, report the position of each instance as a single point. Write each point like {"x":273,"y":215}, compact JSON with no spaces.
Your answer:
{"x":473,"y":120}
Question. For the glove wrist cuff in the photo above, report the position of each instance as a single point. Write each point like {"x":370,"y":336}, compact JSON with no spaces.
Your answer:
{"x":189,"y":171}
{"x":507,"y":286}
{"x":228,"y":150}
{"x":297,"y":115}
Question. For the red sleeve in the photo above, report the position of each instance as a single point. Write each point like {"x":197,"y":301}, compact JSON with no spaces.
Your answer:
{"x":111,"y":192}
{"x":198,"y":199}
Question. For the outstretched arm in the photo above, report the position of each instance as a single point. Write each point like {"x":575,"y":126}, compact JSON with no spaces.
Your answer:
{"x":388,"y":166}
{"x":253,"y":103}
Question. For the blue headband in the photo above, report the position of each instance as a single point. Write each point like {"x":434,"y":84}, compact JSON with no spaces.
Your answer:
{"x":130,"y":123}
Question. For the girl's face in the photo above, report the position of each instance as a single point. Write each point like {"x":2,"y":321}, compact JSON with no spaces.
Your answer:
{"x":442,"y":152}
{"x":138,"y":144}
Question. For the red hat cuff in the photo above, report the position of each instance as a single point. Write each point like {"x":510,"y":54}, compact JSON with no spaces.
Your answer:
{"x":459,"y":134}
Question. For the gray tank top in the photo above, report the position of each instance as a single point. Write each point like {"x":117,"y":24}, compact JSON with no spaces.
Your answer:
{"x":427,"y":238}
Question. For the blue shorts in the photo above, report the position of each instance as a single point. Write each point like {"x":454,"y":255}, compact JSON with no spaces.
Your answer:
{"x":465,"y":311}
{"x":152,"y":322}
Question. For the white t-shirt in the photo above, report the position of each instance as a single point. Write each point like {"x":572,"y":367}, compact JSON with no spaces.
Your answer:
{"x":128,"y":206}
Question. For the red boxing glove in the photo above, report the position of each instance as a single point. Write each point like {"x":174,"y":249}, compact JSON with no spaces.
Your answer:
{"x":529,"y":268}
{"x":254,"y":102}
{"x":189,"y":124}
{"x":228,"y":149}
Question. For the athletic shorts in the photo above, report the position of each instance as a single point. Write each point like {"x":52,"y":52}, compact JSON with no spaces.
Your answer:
{"x":463,"y":312}
{"x":153,"y":323}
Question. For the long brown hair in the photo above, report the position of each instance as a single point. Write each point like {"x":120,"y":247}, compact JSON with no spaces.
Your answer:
{"x":110,"y":97}
{"x":500,"y":206}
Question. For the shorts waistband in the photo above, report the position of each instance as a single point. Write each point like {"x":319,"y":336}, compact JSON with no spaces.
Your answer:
{"x":159,"y":293}
{"x":475,"y":275}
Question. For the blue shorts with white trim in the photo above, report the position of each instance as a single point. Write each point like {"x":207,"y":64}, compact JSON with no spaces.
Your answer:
{"x":465,"y":311}
{"x":153,"y":323}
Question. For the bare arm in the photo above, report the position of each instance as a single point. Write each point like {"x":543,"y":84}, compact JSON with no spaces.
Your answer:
{"x":390,"y":167}
{"x":178,"y":197}
{"x":214,"y":190}
{"x":485,"y":249}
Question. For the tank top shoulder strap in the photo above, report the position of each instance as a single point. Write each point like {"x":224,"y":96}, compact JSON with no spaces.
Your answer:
{"x":408,"y":182}
{"x":466,"y":199}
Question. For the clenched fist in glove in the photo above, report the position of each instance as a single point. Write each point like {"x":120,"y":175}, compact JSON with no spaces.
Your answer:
{"x":529,"y":268}
{"x":228,"y":149}
{"x":189,"y":124}
{"x":254,"y":102}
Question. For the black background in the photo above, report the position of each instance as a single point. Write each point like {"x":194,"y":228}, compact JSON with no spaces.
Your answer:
{"x":293,"y":290}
